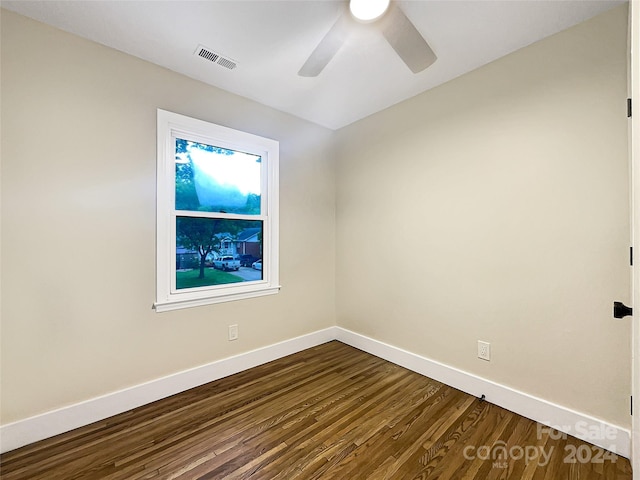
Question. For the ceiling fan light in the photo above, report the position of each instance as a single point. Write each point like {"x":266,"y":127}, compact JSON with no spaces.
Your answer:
{"x":368,"y":10}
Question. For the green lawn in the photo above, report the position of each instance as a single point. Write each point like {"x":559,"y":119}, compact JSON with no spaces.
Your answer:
{"x":189,"y":279}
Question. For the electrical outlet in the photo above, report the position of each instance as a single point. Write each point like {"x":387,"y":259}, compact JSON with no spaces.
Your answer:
{"x":484,"y":350}
{"x":233,"y":332}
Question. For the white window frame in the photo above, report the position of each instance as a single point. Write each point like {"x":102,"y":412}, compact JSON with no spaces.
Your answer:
{"x":169,"y":126}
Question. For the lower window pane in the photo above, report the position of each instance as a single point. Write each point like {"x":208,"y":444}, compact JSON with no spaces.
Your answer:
{"x":217,"y":251}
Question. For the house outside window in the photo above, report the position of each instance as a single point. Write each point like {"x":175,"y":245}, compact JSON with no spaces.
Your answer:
{"x":217,"y":204}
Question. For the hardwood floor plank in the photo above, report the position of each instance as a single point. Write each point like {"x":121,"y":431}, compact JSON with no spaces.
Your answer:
{"x":329,"y":412}
{"x":407,"y":435}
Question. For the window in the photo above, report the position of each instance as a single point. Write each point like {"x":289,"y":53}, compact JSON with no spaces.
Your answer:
{"x":217,"y":214}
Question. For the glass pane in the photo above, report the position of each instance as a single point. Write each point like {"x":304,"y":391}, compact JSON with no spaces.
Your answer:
{"x":217,"y":251}
{"x":214,"y":179}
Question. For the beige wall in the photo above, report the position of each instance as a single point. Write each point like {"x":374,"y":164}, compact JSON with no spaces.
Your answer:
{"x":78,"y":224}
{"x":495,"y":208}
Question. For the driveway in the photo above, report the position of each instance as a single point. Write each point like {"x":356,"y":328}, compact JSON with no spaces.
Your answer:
{"x":248,"y":274}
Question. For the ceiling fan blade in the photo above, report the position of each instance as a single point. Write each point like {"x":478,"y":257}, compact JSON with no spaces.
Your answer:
{"x":406,"y":40}
{"x":326,"y":49}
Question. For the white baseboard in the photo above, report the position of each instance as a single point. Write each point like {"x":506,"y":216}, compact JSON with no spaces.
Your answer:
{"x":49,"y":424}
{"x":611,"y":437}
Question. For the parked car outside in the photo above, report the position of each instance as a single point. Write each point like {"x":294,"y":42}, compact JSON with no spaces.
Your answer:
{"x":247,"y":260}
{"x":226,"y":263}
{"x":257,"y":265}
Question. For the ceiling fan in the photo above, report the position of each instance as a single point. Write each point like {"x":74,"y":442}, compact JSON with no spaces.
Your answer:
{"x":387,"y":17}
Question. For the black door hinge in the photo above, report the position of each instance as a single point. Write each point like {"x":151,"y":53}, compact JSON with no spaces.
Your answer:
{"x":631,"y":256}
{"x":631,"y":404}
{"x":628,"y":108}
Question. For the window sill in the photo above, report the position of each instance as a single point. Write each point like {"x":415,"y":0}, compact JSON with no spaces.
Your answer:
{"x":177,"y":304}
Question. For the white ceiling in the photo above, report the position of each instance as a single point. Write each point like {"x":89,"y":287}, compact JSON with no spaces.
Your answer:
{"x":270,"y":40}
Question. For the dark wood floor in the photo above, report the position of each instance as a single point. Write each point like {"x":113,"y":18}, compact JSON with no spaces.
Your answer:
{"x":330,"y":412}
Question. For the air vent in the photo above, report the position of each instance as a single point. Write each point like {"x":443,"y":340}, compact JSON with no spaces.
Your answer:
{"x":204,"y":53}
{"x":214,"y":57}
{"x":225,"y":62}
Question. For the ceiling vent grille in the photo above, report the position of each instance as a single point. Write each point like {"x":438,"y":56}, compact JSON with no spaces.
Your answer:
{"x":214,"y":57}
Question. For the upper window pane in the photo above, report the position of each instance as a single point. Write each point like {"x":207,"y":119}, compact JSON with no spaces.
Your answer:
{"x":214,"y":179}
